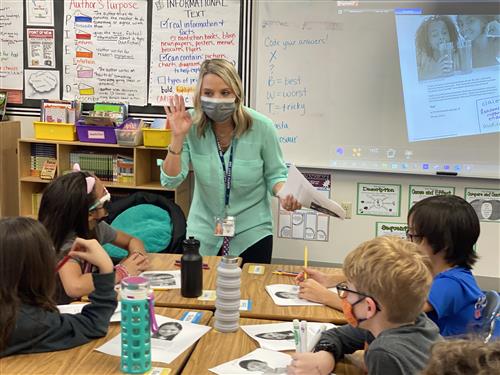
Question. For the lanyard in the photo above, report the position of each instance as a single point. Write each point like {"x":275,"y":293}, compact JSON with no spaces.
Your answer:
{"x":227,"y":173}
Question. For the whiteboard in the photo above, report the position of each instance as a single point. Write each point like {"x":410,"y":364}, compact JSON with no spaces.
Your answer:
{"x":331,"y":78}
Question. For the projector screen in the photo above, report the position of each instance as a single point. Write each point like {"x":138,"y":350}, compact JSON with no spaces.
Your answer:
{"x":388,"y":86}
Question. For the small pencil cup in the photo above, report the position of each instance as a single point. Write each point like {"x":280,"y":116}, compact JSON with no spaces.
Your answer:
{"x":135,"y":325}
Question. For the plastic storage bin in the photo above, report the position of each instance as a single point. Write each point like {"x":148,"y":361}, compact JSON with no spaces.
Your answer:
{"x":157,"y":137}
{"x":95,"y":134}
{"x":56,"y":131}
{"x":129,"y":137}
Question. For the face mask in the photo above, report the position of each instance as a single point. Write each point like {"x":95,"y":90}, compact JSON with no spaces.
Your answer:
{"x":218,"y":110}
{"x":347,"y":309}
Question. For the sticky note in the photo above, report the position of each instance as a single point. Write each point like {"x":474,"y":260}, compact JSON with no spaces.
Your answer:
{"x":255,"y":269}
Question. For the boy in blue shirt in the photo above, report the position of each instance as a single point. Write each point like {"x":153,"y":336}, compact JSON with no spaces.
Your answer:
{"x":447,"y":227}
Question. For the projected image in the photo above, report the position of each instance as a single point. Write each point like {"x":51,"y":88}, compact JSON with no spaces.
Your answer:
{"x":450,"y":74}
{"x":448,"y":44}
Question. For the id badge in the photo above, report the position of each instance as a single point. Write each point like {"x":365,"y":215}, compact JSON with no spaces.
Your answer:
{"x":224,"y":226}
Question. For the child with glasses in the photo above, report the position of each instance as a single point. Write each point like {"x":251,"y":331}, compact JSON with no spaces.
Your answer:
{"x":74,"y":205}
{"x":388,"y":279}
{"x":446,"y":227}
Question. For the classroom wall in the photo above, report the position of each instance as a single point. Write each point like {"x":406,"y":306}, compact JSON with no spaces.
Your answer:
{"x":346,"y":235}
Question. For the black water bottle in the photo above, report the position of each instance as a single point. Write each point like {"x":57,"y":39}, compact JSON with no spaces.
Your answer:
{"x":191,"y":269}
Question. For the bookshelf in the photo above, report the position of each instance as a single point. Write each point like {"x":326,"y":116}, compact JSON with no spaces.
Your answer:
{"x":146,"y":172}
{"x":10,"y":132}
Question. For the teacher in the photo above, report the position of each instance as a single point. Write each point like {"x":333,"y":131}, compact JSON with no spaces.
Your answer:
{"x":237,"y":163}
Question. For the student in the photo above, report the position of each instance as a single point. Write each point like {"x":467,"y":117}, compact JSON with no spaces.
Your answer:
{"x":483,"y":32}
{"x":388,"y":279}
{"x":168,"y":331}
{"x":432,"y":36}
{"x":237,"y":163}
{"x":464,"y":357}
{"x":73,"y":206}
{"x":446,"y":227}
{"x":30,"y":321}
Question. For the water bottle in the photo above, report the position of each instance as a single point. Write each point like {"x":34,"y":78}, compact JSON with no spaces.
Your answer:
{"x":227,"y":304}
{"x":191,"y":269}
{"x":135,"y":326}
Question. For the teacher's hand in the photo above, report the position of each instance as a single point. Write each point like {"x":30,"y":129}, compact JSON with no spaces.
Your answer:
{"x":289,"y":203}
{"x":179,"y":119}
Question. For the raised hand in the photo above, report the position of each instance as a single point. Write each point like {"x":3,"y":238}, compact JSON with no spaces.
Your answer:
{"x":179,"y":119}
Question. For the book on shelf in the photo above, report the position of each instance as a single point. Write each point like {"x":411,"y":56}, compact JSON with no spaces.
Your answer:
{"x":60,"y":111}
{"x":107,"y":167}
{"x":49,"y":168}
{"x":40,"y":153}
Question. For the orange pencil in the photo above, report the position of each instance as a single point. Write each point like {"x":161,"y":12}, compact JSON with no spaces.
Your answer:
{"x":305,"y":261}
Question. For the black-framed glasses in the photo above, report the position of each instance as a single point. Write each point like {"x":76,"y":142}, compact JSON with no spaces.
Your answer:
{"x":412,"y":237}
{"x":343,"y":289}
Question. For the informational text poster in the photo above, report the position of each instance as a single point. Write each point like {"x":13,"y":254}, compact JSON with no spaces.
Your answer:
{"x":105,"y":51}
{"x":306,"y":224}
{"x":419,"y":192}
{"x":41,"y":48}
{"x":390,"y":229}
{"x":378,"y":199}
{"x":183,"y":35}
{"x":40,"y":12}
{"x":486,"y":203}
{"x":11,"y":51}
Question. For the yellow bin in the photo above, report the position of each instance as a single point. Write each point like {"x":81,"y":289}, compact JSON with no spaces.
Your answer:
{"x":55,"y":131}
{"x":157,"y":137}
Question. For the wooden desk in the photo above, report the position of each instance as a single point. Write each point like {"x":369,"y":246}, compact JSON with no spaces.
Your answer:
{"x":84,"y":360}
{"x":263,"y":306}
{"x":173,"y":297}
{"x":215,"y":348}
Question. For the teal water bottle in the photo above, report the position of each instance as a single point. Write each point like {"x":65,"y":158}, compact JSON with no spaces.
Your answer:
{"x":135,"y":326}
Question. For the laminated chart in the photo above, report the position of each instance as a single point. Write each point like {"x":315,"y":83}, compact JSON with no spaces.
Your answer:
{"x":183,"y":35}
{"x":105,"y":51}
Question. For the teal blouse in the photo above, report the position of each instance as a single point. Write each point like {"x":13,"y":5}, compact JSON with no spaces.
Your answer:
{"x":257,"y":166}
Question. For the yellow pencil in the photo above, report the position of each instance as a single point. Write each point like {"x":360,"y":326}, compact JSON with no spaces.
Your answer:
{"x":305,"y":262}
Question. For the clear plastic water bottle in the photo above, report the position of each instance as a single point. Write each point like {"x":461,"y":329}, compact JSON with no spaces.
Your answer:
{"x":191,"y":269}
{"x":135,"y":325}
{"x":227,"y":304}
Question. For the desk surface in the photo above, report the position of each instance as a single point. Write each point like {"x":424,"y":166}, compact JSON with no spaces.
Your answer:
{"x":84,"y":360}
{"x":173,"y":297}
{"x":234,"y":345}
{"x":263,"y":306}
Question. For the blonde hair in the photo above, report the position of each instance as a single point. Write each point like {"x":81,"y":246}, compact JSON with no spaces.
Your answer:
{"x":464,"y":357}
{"x":394,"y":272}
{"x":227,"y":72}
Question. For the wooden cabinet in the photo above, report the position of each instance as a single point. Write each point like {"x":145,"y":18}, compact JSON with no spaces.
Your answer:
{"x":146,"y":171}
{"x":10,"y":132}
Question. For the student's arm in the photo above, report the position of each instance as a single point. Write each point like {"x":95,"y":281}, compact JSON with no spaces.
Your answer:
{"x":344,"y":340}
{"x":313,"y":291}
{"x":75,"y":283}
{"x":130,"y":243}
{"x":328,"y":280}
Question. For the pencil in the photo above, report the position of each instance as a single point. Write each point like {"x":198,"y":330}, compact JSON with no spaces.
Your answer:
{"x":305,"y":262}
{"x":62,"y":262}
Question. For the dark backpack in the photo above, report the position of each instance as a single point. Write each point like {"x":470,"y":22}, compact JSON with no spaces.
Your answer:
{"x":142,"y":197}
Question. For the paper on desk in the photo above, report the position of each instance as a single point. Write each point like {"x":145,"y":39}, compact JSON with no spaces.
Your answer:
{"x":168,"y":343}
{"x":288,"y":295}
{"x":260,"y":361}
{"x":279,"y":336}
{"x":308,"y":196}
{"x":162,"y":280}
{"x":76,"y":308}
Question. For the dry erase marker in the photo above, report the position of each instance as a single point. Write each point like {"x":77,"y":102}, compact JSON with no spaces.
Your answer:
{"x":303,"y":336}
{"x":305,"y":261}
{"x":296,"y":334}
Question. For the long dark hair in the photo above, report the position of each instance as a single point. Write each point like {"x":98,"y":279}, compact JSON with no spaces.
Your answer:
{"x":64,"y":208}
{"x":422,"y":37}
{"x":27,"y":264}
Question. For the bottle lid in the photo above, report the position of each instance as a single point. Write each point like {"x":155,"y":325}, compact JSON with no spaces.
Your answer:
{"x":229,"y":259}
{"x":135,"y":283}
